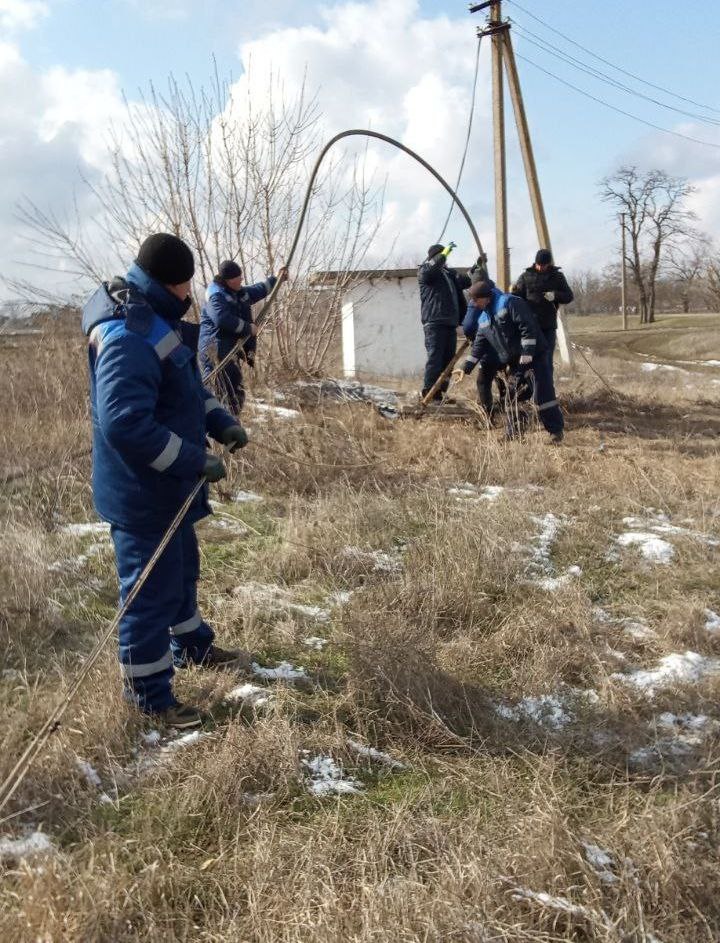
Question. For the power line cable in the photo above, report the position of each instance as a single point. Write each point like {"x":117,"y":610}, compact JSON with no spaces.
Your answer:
{"x":621,"y":111}
{"x":556,"y":51}
{"x":467,"y":138}
{"x":632,"y":75}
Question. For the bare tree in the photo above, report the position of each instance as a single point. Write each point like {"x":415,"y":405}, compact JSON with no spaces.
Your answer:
{"x":655,"y":216}
{"x":229,"y":177}
{"x":687,"y":263}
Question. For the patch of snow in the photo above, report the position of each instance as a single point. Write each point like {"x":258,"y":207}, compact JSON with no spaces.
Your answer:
{"x":657,"y":522}
{"x":250,"y":694}
{"x":340,"y":598}
{"x":282,"y":672}
{"x":635,"y":628}
{"x":87,"y":529}
{"x":89,"y":772}
{"x":282,"y":599}
{"x":228,"y":524}
{"x":377,"y":755}
{"x":282,"y":412}
{"x":20,"y":849}
{"x":547,"y":710}
{"x":326,"y":777}
{"x":318,"y":613}
{"x":553,"y":583}
{"x":677,"y":668}
{"x":185,"y":740}
{"x":380,"y":560}
{"x":712,"y":621}
{"x":468,"y":492}
{"x":649,"y":367}
{"x":315,"y":643}
{"x":243,"y":497}
{"x":561,"y":904}
{"x":601,"y":862}
{"x":652,"y":547}
{"x":152,"y":738}
{"x":699,"y":724}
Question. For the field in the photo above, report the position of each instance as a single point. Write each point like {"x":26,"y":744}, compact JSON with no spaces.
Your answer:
{"x":484,"y":702}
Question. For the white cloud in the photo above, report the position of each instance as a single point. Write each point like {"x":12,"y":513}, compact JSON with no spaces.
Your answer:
{"x":16,"y":15}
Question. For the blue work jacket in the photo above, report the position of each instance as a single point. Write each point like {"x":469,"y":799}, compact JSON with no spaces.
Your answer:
{"x":150,"y":410}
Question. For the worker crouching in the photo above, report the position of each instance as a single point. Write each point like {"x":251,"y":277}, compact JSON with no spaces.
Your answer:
{"x":151,"y":415}
{"x":505,"y":332}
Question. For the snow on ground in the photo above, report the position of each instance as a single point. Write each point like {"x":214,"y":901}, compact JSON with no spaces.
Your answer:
{"x":282,"y":412}
{"x":380,"y":560}
{"x":284,"y":671}
{"x":541,"y":570}
{"x":229,"y":524}
{"x":184,"y":741}
{"x":601,"y":861}
{"x":250,"y":694}
{"x":340,"y":598}
{"x":676,"y":736}
{"x":635,"y":628}
{"x":76,"y":563}
{"x":87,"y":529}
{"x":552,"y":711}
{"x":351,"y":390}
{"x":649,"y":534}
{"x":315,"y":643}
{"x":651,"y":367}
{"x":281,"y":598}
{"x":712,"y":621}
{"x":244,"y":497}
{"x":325,"y":777}
{"x":561,"y":905}
{"x":677,"y":668}
{"x":89,"y":772}
{"x":22,"y":849}
{"x":377,"y":755}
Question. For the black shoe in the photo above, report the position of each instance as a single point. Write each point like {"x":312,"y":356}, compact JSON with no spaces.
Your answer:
{"x":220,"y":658}
{"x":181,"y":717}
{"x":556,"y":438}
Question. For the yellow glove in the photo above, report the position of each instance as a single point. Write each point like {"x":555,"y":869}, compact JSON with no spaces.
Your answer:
{"x":448,"y":249}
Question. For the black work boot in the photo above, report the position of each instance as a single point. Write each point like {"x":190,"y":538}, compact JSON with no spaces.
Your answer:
{"x":181,"y":717}
{"x":219,"y":658}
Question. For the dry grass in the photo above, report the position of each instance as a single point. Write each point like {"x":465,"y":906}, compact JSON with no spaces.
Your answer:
{"x":428,"y":661}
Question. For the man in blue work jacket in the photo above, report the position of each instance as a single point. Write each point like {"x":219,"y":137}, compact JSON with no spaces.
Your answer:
{"x":150,"y":415}
{"x":505,"y":332}
{"x":227,"y":319}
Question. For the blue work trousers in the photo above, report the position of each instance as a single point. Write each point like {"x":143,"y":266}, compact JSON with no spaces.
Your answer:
{"x":544,"y":396}
{"x":550,"y":335}
{"x":162,"y":627}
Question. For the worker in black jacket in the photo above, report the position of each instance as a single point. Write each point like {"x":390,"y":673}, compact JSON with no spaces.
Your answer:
{"x":505,"y":332}
{"x":442,"y":308}
{"x":545,"y":288}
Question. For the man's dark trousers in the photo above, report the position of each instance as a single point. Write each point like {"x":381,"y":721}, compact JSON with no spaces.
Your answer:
{"x":550,"y":335}
{"x":544,"y":398}
{"x":440,"y":344}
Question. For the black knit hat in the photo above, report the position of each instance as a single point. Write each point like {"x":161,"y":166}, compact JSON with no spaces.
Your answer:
{"x":166,"y":258}
{"x":543,"y":257}
{"x":434,"y":250}
{"x":229,"y":270}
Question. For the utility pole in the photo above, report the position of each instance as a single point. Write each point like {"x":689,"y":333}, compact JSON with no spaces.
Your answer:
{"x":498,"y":106}
{"x":623,"y":283}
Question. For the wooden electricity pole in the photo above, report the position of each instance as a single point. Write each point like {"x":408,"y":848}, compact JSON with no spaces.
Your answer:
{"x":498,"y":106}
{"x":623,"y":282}
{"x":502,"y":52}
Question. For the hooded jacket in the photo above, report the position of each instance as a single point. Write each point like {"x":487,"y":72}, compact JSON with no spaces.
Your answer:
{"x":441,"y":293}
{"x":226,"y":317}
{"x":506,"y":326}
{"x":532,"y":286}
{"x":150,"y":410}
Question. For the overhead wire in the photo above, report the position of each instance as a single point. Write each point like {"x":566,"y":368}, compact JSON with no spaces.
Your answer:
{"x":621,"y":111}
{"x":613,"y":65}
{"x":557,"y":52}
{"x":467,"y":137}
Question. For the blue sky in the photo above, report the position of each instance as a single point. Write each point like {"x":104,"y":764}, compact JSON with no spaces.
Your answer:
{"x":74,"y":47}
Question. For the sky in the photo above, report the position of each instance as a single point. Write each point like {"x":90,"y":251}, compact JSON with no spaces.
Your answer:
{"x":404,"y":67}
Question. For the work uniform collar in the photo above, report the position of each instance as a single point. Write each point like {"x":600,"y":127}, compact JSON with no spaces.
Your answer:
{"x":158,"y":297}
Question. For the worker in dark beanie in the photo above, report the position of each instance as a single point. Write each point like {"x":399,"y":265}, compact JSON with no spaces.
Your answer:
{"x":505,"y":333}
{"x":442,"y":308}
{"x":545,"y":288}
{"x":151,"y":415}
{"x":226,"y":321}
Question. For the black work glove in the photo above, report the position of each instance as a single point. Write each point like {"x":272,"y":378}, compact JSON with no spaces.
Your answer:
{"x":250,"y":360}
{"x":234,"y":437}
{"x":214,"y":469}
{"x":468,"y":367}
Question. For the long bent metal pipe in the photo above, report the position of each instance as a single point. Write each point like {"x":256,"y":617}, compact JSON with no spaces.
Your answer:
{"x":13,"y":780}
{"x":359,"y":132}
